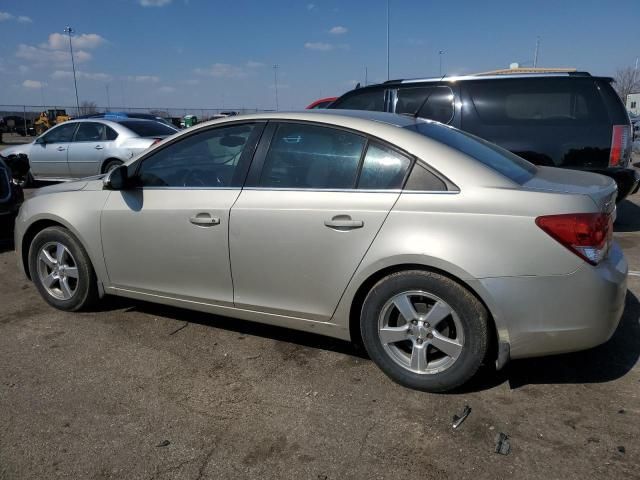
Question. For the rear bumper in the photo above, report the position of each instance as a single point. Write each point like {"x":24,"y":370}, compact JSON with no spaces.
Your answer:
{"x":627,"y":179}
{"x":564,"y":313}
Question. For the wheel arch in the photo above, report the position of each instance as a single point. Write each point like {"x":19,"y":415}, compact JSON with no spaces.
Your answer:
{"x":107,"y":161}
{"x":499,"y":346}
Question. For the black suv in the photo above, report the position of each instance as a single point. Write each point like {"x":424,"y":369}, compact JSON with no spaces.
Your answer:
{"x":569,"y":120}
{"x":11,"y":195}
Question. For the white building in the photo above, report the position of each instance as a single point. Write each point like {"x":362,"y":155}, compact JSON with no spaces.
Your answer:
{"x":633,"y":103}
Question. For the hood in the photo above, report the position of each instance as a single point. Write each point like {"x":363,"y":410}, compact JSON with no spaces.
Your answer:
{"x":62,"y":187}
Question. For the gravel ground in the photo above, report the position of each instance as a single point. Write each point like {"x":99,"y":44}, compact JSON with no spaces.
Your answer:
{"x":141,"y":391}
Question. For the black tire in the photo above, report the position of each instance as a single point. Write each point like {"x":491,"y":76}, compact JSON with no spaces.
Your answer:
{"x":110,"y":165}
{"x":471,"y":316}
{"x":86,"y":289}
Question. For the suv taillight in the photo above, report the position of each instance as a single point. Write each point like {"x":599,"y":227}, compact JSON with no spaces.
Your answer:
{"x":619,"y":144}
{"x":588,"y":235}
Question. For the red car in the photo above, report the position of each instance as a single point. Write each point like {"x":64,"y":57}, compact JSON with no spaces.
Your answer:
{"x":322,"y":103}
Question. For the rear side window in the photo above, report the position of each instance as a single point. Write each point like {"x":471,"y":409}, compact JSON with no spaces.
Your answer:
{"x":144,"y":128}
{"x":542,"y":101}
{"x":308,"y":156}
{"x":111,"y":133}
{"x":372,"y":100}
{"x":434,"y":103}
{"x":497,"y":158}
{"x":383,"y":168}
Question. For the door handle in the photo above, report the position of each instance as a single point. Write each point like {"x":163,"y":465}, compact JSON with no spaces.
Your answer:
{"x":98,"y":147}
{"x":204,"y":219}
{"x":343,"y":222}
{"x":61,"y":149}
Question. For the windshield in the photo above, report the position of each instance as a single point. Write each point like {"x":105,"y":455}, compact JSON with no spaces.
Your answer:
{"x":497,"y":158}
{"x":150,"y":128}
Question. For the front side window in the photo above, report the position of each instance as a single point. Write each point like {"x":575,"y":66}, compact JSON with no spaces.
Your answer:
{"x":203,"y":160}
{"x":89,"y":132}
{"x":371,"y":100}
{"x":61,"y":134}
{"x":383,"y":168}
{"x":434,"y":103}
{"x":308,"y":156}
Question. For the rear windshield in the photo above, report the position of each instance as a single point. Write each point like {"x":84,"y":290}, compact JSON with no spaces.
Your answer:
{"x":548,"y":101}
{"x":497,"y":158}
{"x":150,"y":128}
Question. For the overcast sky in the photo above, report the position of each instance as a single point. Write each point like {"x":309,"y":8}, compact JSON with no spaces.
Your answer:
{"x":220,"y":54}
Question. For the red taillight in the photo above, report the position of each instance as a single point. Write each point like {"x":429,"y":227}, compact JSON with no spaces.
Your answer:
{"x":588,"y":235}
{"x":619,"y":143}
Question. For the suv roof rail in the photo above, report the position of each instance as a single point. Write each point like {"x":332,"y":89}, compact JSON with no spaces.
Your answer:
{"x":505,"y":73}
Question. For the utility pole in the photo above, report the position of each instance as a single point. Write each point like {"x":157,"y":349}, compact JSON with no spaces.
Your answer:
{"x":366,"y":76}
{"x":440,"y":54}
{"x":388,"y":75}
{"x":68,"y":30}
{"x":108,"y":98}
{"x":275,"y":82}
{"x":535,"y":56}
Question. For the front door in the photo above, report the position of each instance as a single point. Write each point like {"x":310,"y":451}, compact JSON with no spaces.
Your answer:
{"x":298,"y":233}
{"x":48,"y":155}
{"x":169,"y":236}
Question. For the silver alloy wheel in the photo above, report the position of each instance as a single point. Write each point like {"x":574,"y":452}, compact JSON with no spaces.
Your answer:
{"x":420,"y":332}
{"x":58,"y":271}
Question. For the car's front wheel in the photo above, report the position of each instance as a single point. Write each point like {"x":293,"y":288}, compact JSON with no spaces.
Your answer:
{"x":61,"y":270}
{"x":424,"y":330}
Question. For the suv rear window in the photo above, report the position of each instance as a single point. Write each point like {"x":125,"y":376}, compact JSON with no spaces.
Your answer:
{"x":497,"y":158}
{"x":144,"y":128}
{"x":548,"y":101}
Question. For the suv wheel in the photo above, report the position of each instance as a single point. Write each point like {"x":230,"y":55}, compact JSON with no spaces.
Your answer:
{"x":424,"y":330}
{"x":61,"y":270}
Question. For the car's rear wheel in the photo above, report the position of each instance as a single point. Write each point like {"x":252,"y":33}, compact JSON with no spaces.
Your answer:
{"x":424,"y":330}
{"x":110,"y":165}
{"x":61,"y":270}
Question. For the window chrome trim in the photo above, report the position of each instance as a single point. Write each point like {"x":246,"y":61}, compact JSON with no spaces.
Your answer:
{"x":187,"y":188}
{"x":348,"y":190}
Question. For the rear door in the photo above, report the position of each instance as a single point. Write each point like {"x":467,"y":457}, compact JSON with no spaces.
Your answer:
{"x":88,"y":149}
{"x":314,"y":201}
{"x":48,"y":160}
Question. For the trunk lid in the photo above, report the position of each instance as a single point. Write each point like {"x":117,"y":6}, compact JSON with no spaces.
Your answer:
{"x":601,"y":189}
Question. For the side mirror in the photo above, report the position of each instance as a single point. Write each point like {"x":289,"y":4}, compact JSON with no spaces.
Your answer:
{"x":117,"y":179}
{"x":41,"y":140}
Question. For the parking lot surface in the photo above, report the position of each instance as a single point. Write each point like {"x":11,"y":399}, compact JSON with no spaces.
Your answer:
{"x":135,"y":390}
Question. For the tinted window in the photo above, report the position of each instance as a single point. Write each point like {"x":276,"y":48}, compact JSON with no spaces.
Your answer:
{"x":61,"y":134}
{"x":205,"y":159}
{"x":494,"y":157}
{"x":111,"y":133}
{"x":549,"y":101}
{"x":89,"y":132}
{"x":434,"y":103}
{"x":326,"y":103}
{"x":424,"y":180}
{"x":383,"y":168}
{"x":364,"y":100}
{"x":307,"y":156}
{"x":150,"y":128}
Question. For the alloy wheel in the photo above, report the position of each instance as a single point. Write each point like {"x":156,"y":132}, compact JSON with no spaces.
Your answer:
{"x":58,"y":271}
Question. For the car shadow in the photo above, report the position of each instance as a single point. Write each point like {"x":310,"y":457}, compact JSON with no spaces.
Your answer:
{"x":605,"y":363}
{"x":244,"y":327}
{"x":628,"y":217}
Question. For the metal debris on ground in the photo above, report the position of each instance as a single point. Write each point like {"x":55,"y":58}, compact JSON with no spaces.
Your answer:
{"x":164,"y":443}
{"x":503,"y":447}
{"x":457,"y":420}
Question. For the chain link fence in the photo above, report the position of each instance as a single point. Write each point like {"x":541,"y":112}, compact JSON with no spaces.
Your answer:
{"x":20,"y":119}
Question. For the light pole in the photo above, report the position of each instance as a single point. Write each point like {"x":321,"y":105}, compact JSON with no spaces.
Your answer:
{"x":275,"y":82}
{"x":108,"y":98}
{"x":535,"y":56}
{"x":388,"y":75}
{"x":440,"y":54}
{"x":68,"y":30}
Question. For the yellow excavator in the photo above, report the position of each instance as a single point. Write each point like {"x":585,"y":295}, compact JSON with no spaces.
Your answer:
{"x":48,"y":119}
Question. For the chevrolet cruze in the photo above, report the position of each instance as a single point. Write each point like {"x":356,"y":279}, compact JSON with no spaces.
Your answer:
{"x":438,"y":250}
